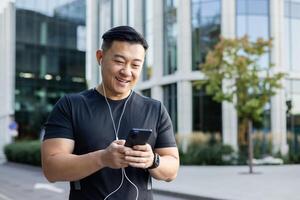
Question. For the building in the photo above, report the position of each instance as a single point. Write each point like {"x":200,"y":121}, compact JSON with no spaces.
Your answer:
{"x":50,"y":58}
{"x":42,"y":57}
{"x":180,"y":33}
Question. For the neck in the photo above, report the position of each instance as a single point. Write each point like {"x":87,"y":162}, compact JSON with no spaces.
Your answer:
{"x":110,"y":95}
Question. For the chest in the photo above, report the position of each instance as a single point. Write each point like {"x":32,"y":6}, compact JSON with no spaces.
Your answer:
{"x":93,"y":126}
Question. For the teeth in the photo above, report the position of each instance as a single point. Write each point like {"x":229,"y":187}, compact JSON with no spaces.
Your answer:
{"x":124,"y":81}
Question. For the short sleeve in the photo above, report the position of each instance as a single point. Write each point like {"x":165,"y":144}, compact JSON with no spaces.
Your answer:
{"x":59,"y":122}
{"x":165,"y":132}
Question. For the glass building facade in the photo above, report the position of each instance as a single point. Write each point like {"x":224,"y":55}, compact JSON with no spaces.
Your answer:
{"x":293,"y":114}
{"x":182,"y":33}
{"x":206,"y":28}
{"x":251,"y":16}
{"x":292,"y":29}
{"x":170,"y":36}
{"x":170,"y":101}
{"x":292,"y":47}
{"x":50,"y":57}
{"x":207,"y":114}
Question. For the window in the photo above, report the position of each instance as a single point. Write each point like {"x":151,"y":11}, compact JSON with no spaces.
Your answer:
{"x":253,"y":21}
{"x":207,"y":114}
{"x":206,"y":28}
{"x":146,"y":92}
{"x":170,"y":101}
{"x":292,"y":29}
{"x":293,"y":115}
{"x":170,"y":36}
{"x":48,"y":61}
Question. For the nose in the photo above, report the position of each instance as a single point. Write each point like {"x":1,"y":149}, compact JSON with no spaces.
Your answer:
{"x":125,"y":71}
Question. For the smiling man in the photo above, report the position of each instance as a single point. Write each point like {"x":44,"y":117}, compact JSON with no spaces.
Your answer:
{"x":85,"y":133}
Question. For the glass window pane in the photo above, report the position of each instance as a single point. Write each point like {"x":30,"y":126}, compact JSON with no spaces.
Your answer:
{"x":258,"y":7}
{"x":241,"y":7}
{"x":206,"y":28}
{"x":170,"y":102}
{"x":258,"y":27}
{"x":170,"y":37}
{"x":295,"y":45}
{"x":207,"y":114}
{"x":295,"y":10}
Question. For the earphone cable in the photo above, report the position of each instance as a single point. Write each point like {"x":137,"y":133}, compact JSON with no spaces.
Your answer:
{"x":116,"y":130}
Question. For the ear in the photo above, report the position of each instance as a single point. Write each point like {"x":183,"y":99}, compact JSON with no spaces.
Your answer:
{"x":99,"y":55}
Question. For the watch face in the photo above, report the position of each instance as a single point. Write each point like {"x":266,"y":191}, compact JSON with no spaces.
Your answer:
{"x":155,"y":161}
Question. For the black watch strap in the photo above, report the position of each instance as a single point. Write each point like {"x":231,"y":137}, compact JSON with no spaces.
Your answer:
{"x":156,"y":161}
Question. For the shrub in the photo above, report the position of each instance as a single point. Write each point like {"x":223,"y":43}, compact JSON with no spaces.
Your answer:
{"x":203,"y":149}
{"x":28,"y":152}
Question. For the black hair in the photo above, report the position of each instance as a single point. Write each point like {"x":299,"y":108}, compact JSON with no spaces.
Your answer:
{"x":122,"y":33}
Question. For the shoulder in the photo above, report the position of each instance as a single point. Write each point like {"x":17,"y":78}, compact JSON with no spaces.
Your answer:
{"x":140,"y":99}
{"x":69,"y":101}
{"x":78,"y":97}
{"x":144,"y":99}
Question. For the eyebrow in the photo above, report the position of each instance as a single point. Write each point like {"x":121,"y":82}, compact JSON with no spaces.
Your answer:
{"x":123,"y":57}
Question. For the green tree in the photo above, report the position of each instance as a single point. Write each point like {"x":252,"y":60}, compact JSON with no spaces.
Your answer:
{"x":233,"y":73}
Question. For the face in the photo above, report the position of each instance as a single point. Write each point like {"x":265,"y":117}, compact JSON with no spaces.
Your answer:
{"x":121,"y":66}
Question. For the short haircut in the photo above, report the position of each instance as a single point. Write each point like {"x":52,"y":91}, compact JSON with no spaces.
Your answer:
{"x":122,"y":33}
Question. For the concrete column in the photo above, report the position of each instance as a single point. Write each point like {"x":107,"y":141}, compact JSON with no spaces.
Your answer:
{"x":7,"y":72}
{"x":229,"y":114}
{"x":278,"y":106}
{"x":92,"y":43}
{"x":105,"y":16}
{"x":184,"y":87}
{"x":131,"y":12}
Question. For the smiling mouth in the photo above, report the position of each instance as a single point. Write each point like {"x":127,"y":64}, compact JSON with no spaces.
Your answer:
{"x":123,"y":81}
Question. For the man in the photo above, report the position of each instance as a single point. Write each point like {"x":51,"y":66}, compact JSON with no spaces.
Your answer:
{"x":85,"y":133}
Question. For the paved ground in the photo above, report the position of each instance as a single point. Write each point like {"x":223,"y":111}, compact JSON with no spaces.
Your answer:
{"x":193,"y":182}
{"x":27,"y":183}
{"x":234,"y":183}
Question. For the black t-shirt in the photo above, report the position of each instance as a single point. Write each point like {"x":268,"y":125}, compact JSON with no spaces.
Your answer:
{"x":85,"y":118}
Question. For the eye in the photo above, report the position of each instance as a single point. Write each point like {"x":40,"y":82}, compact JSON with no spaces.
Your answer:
{"x":135,"y":66}
{"x":120,"y":62}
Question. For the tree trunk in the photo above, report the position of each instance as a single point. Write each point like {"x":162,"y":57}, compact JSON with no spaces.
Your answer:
{"x":242,"y":134}
{"x":250,"y":147}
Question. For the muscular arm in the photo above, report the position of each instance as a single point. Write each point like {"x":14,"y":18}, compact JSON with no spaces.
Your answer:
{"x":169,"y":164}
{"x":141,"y":156}
{"x":59,"y":164}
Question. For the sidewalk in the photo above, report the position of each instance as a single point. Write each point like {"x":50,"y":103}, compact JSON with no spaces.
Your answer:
{"x":193,"y":183}
{"x":234,"y":183}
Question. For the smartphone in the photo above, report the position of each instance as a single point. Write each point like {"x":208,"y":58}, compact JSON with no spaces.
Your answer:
{"x":137,"y":136}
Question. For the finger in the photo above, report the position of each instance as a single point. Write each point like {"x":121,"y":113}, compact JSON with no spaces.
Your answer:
{"x":132,"y":159}
{"x":145,"y":147}
{"x":119,"y":142}
{"x":137,"y":153}
{"x":138,"y":165}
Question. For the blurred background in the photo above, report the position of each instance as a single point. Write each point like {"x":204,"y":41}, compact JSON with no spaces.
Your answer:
{"x":47,"y":49}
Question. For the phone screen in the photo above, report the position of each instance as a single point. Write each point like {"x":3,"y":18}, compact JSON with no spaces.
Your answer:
{"x":137,"y":136}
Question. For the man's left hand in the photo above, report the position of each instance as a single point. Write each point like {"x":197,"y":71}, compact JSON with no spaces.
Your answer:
{"x":140,"y":156}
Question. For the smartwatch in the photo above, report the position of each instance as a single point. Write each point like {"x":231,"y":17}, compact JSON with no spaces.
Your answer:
{"x":155,"y":163}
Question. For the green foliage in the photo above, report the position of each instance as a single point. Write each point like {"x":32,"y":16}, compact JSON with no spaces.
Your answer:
{"x":28,"y":152}
{"x":204,"y":154}
{"x":233,"y":74}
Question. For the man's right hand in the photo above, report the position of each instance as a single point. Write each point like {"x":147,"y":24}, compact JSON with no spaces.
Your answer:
{"x":114,"y":155}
